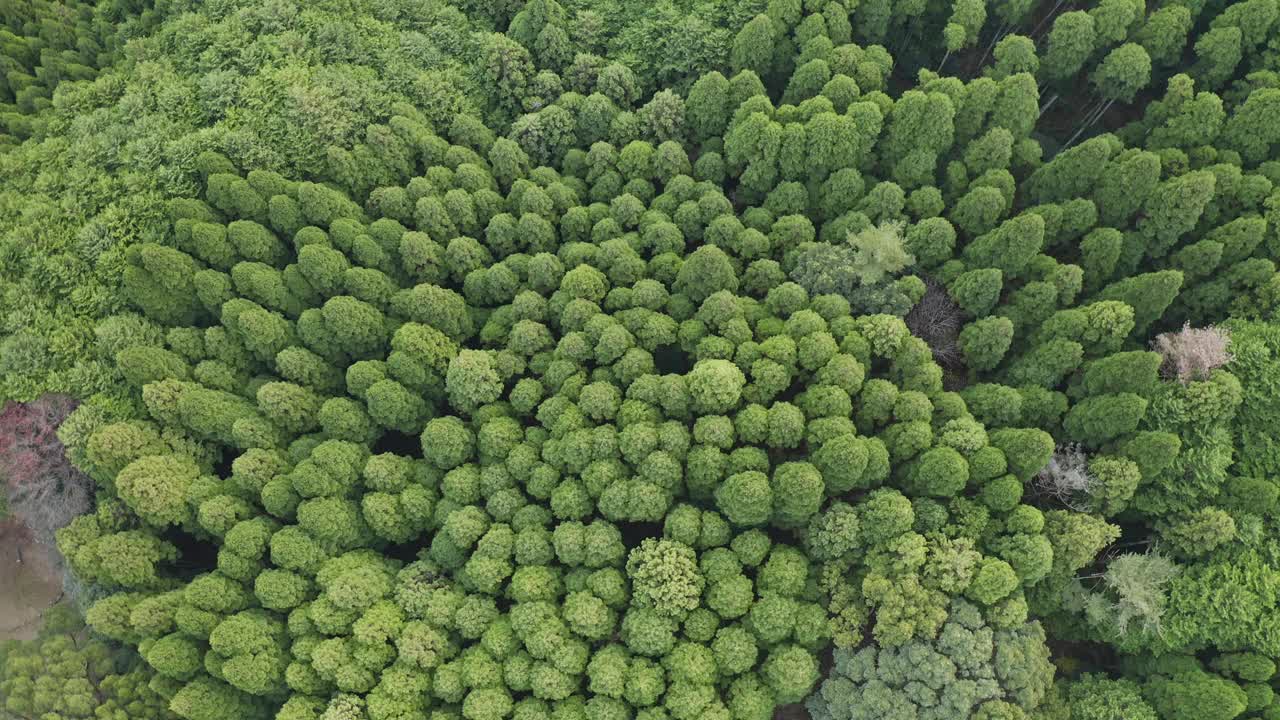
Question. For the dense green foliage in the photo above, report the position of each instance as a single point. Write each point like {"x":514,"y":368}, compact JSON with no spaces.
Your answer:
{"x":65,"y":674}
{"x":606,"y":361}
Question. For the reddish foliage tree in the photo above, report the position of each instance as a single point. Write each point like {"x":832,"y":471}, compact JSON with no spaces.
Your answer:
{"x":45,"y":491}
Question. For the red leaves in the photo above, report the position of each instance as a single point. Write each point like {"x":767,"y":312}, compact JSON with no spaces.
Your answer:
{"x":43,"y":489}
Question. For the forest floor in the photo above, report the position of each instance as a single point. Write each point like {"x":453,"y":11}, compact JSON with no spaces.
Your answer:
{"x":794,"y":711}
{"x":30,"y":582}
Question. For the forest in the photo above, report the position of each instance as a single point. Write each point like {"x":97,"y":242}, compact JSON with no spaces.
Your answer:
{"x":617,"y":360}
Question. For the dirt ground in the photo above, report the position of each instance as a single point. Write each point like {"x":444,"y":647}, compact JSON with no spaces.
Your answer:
{"x":29,"y":583}
{"x":795,"y":711}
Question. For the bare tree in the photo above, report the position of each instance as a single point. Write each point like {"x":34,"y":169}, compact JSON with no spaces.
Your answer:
{"x":44,"y":490}
{"x":1066,"y":478}
{"x":937,"y":320}
{"x":1193,"y":353}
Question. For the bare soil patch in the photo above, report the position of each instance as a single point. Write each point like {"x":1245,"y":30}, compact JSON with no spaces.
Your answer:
{"x":30,"y":582}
